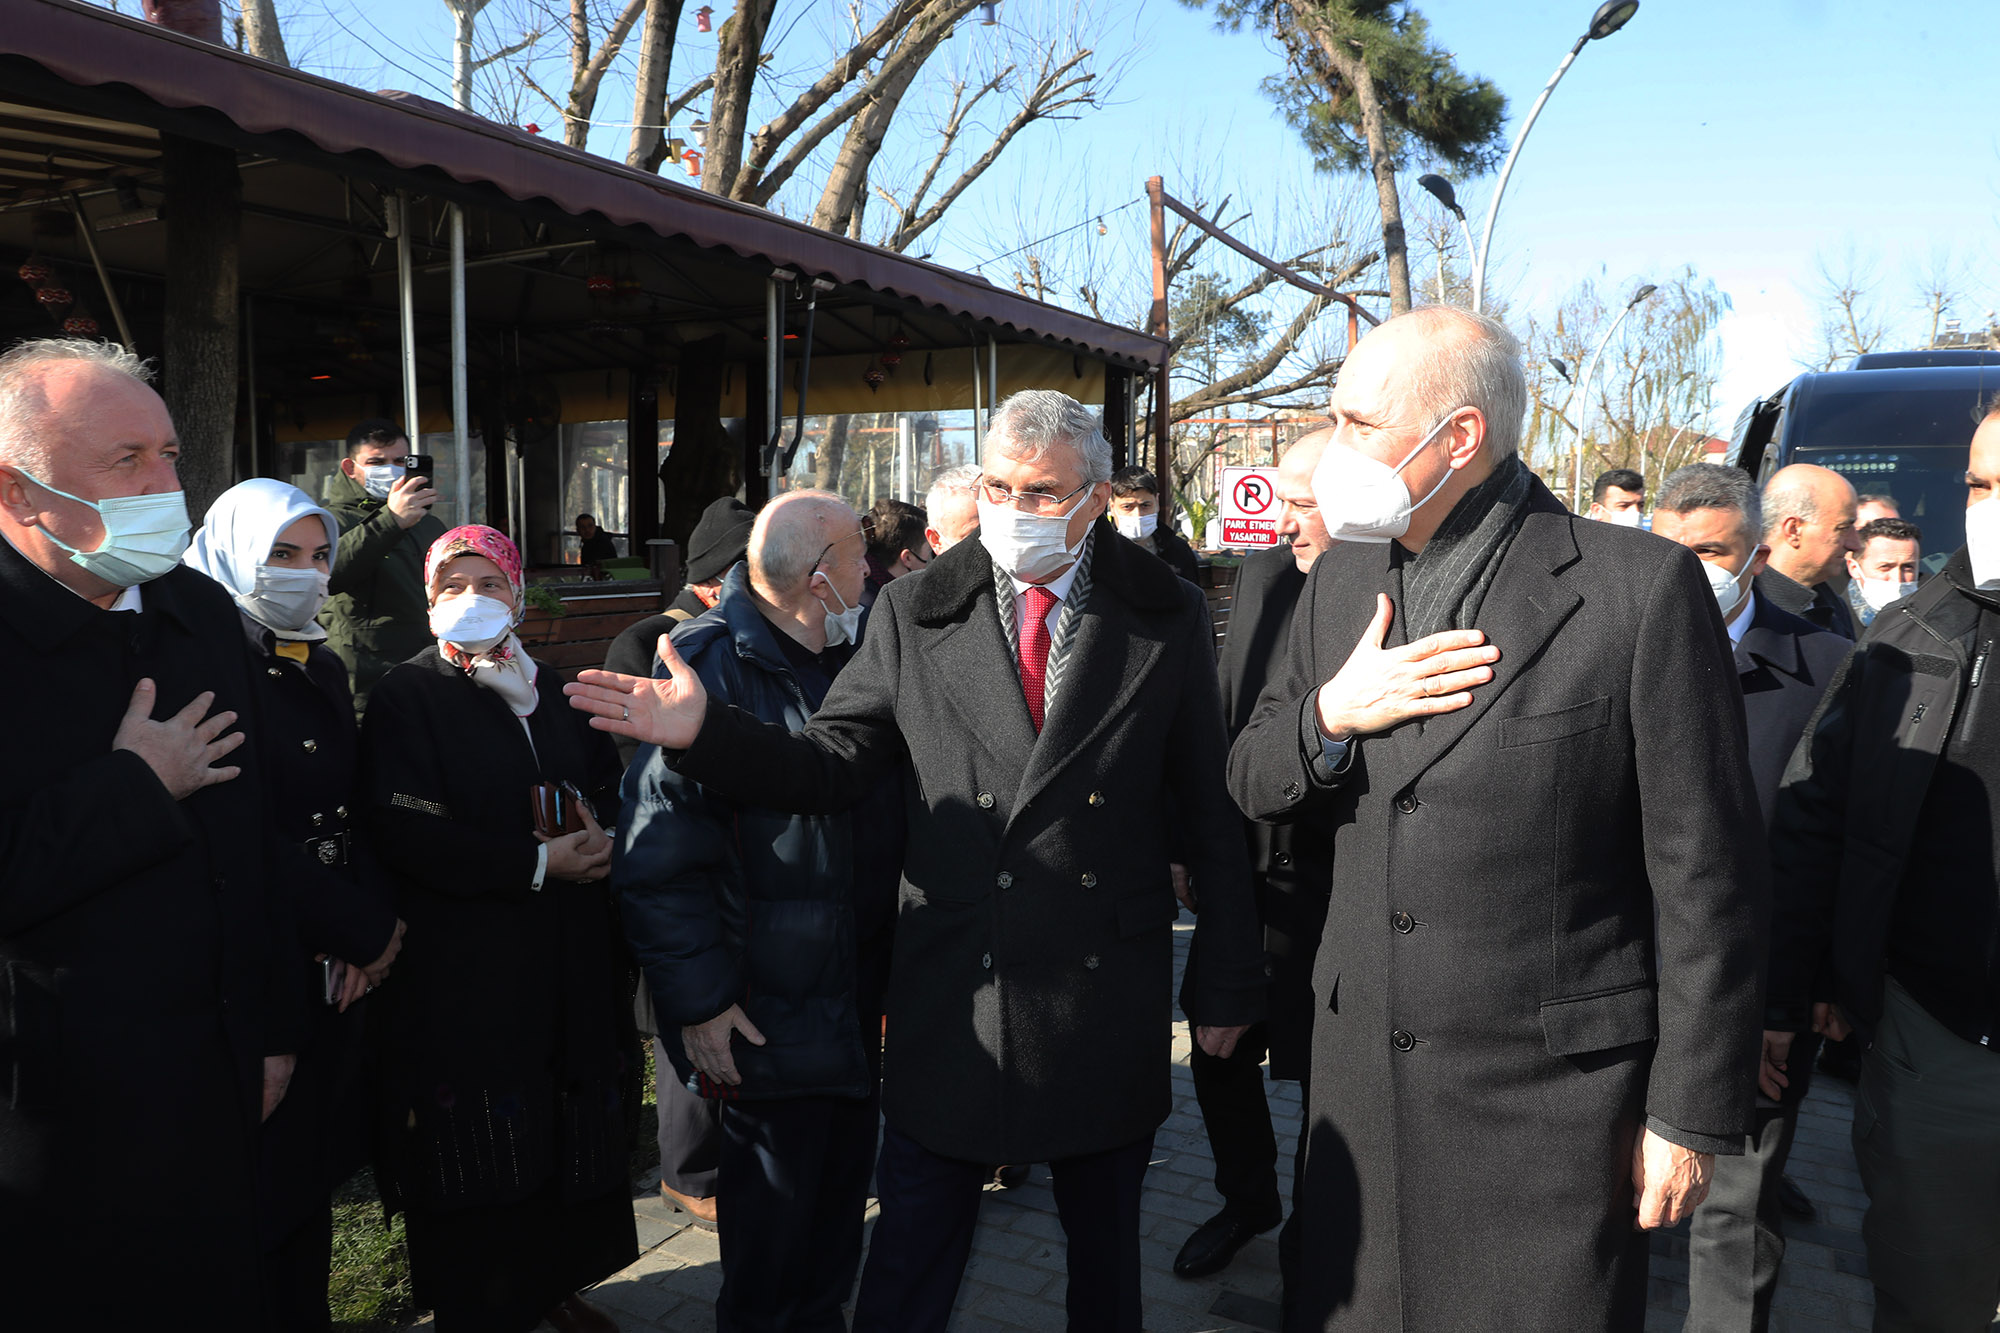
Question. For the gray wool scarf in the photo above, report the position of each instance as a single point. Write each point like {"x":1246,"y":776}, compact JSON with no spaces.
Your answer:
{"x":1445,"y":583}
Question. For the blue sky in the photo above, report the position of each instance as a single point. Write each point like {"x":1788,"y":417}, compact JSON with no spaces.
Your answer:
{"x":1744,"y":138}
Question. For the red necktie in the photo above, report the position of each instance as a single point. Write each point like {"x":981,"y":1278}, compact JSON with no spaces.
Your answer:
{"x":1035,"y":651}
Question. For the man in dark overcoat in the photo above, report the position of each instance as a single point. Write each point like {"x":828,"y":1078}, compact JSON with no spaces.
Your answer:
{"x":1052,"y":690}
{"x":1289,"y":872}
{"x":1519,"y":727}
{"x":137,"y":928}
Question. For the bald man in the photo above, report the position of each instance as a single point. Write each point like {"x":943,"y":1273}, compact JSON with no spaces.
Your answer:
{"x":1290,"y":874}
{"x":1809,"y":526}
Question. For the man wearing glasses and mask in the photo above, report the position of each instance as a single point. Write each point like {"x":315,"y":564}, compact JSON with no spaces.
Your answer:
{"x":1519,"y":729}
{"x":1053,"y":691}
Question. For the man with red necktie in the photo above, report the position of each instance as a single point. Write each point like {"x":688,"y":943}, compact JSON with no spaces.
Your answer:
{"x":1052,"y":691}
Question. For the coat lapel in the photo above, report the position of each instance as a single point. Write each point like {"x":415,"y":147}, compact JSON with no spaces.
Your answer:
{"x":955,"y":600}
{"x":1108,"y":662}
{"x":1525,"y":607}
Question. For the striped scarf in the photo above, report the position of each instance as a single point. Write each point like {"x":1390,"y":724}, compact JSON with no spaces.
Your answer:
{"x":1066,"y":623}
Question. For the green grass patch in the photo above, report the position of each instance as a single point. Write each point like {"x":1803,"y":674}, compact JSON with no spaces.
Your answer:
{"x":369,"y":1284}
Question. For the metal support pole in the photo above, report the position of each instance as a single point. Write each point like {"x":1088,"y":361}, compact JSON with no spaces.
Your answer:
{"x":250,"y":372}
{"x":406,"y":300}
{"x":103,"y":278}
{"x":774,"y":364}
{"x":978,"y":411}
{"x":992,"y":377}
{"x":461,"y":450}
{"x":1500,"y":187}
{"x":906,"y":457}
{"x":1156,"y":197}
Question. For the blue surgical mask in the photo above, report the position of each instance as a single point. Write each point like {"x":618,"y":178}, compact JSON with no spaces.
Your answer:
{"x":381,"y":478}
{"x":144,"y":535}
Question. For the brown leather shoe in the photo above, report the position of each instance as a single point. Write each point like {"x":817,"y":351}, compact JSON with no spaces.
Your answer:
{"x":702,"y":1210}
{"x":576,"y":1315}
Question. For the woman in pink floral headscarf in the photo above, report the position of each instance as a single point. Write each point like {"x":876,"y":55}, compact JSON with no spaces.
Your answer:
{"x":508,"y":1051}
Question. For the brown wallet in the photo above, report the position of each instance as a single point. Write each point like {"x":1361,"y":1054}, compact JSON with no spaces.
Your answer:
{"x":558,"y":808}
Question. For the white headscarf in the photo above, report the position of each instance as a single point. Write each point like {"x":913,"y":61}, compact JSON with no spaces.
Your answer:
{"x":236,"y":538}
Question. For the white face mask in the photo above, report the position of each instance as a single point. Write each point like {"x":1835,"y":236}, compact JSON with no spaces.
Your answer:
{"x":1362,"y":499}
{"x":1982,"y":541}
{"x":284,"y":600}
{"x":1879,"y":593}
{"x":1625,"y":518}
{"x":1728,"y":587}
{"x":1136,"y":526}
{"x":844,"y":625}
{"x":381,"y":478}
{"x":473,"y":623}
{"x":1029,"y":546}
{"x":144,"y":535}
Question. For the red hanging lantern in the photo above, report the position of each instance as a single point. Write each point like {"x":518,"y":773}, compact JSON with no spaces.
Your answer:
{"x":692,"y":161}
{"x":35,"y":272}
{"x":52,"y":296}
{"x":80,"y":326}
{"x":702,"y":22}
{"x":600,"y":284}
{"x":892,"y":359}
{"x":874,"y":375}
{"x":899,"y":341}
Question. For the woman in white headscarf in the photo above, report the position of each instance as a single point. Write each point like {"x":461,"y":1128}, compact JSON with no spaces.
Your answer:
{"x":509,"y":1072}
{"x":272,"y":548}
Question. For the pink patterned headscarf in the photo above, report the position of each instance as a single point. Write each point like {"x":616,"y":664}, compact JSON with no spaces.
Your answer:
{"x":475,"y":539}
{"x":499,"y":666}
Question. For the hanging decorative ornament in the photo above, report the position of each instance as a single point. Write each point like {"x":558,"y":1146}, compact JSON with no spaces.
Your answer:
{"x":1101,"y":228}
{"x":692,"y":161}
{"x":874,"y":375}
{"x":52,"y":296}
{"x":80,"y":326}
{"x":899,"y":341}
{"x":532,"y":128}
{"x":702,"y":22}
{"x":627,"y":285}
{"x":35,"y":272}
{"x":600,"y":328}
{"x":600,"y":284}
{"x":989,"y":14}
{"x":892,"y":359}
{"x":675,"y":148}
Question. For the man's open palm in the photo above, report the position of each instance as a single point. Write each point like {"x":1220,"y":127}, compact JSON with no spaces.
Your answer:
{"x":666,"y":713}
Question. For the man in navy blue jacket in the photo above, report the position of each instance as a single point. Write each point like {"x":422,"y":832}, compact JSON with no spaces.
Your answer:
{"x":770,"y":925}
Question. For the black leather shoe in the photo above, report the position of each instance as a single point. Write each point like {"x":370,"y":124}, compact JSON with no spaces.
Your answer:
{"x":1793,"y":1203}
{"x":1215,"y":1242}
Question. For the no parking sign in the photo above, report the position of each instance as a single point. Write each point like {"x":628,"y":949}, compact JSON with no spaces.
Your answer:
{"x":1250,"y":506}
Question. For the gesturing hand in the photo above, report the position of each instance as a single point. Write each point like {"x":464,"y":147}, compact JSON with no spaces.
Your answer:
{"x":410,"y":499}
{"x":1379,"y":688}
{"x":183,"y":750}
{"x":666,"y":713}
{"x":1668,"y":1181}
{"x":707,"y":1044}
{"x":584,"y":855}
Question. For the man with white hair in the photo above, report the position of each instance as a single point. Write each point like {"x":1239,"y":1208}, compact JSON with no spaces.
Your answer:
{"x":137,"y":936}
{"x":753,"y":923}
{"x":1053,"y":690}
{"x":951,"y":507}
{"x":1538,"y":983}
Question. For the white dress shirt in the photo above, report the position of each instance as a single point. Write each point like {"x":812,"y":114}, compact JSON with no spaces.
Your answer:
{"x":1745,"y":614}
{"x":1059,"y":585}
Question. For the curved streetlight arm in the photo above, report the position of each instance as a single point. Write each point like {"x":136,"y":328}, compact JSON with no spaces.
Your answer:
{"x":1500,"y":187}
{"x":1583,"y":405}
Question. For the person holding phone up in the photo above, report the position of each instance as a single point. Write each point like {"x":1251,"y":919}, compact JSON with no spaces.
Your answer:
{"x":271,"y":548}
{"x":375,"y":616}
{"x":508,"y":1058}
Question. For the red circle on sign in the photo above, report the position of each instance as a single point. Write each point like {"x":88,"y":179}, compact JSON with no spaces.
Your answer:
{"x":1253,"y":494}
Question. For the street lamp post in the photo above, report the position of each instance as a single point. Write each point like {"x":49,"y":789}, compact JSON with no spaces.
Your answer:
{"x":1440,"y":189}
{"x":1609,"y":18}
{"x":1583,"y":393}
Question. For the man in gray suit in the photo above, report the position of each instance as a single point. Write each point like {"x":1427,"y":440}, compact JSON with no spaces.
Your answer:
{"x":1520,"y":730}
{"x":1052,"y":691}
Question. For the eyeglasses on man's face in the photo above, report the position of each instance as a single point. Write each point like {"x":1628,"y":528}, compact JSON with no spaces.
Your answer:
{"x":861,"y":532}
{"x":1029,"y":502}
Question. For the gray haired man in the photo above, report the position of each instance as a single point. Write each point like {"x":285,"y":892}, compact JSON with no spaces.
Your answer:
{"x":951,"y":507}
{"x":1054,"y":691}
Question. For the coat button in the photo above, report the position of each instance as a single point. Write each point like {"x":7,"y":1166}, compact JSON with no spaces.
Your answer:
{"x":1097,"y":798}
{"x":274,"y":671}
{"x":1089,"y":880}
{"x":1403,"y":922}
{"x":1403,"y":1040}
{"x":1090,"y":962}
{"x":1270,"y":969}
{"x":1291,"y":791}
{"x":1281,"y":858}
{"x":1407,"y":803}
{"x":1004,"y":880}
{"x":986,"y":961}
{"x":318,"y":819}
{"x":985,"y":800}
{"x":311,"y":746}
{"x":341,"y":811}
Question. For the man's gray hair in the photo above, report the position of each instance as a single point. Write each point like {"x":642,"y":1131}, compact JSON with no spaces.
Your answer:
{"x":790,"y":534}
{"x":1713,"y":486}
{"x":24,"y":438}
{"x":1033,"y":422}
{"x":1471,"y":361}
{"x":961,"y":480}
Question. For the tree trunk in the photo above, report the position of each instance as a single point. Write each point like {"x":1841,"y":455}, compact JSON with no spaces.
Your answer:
{"x":1352,"y":67}
{"x":841,"y":198}
{"x":649,"y":98}
{"x":204,"y":223}
{"x":261,"y":36}
{"x":832,"y":451}
{"x":704,"y":462}
{"x":729,"y":106}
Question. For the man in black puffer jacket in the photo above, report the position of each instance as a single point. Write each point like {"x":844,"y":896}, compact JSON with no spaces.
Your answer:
{"x":753,"y":921}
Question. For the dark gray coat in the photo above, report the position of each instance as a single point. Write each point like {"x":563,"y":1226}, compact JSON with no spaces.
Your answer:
{"x":1495,"y":1029}
{"x":1030,"y":1001}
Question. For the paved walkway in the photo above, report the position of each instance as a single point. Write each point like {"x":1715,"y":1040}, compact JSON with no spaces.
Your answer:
{"x":1015,"y":1280}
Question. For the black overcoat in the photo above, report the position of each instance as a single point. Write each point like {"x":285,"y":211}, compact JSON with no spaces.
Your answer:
{"x":137,"y":937}
{"x":1784,"y":664}
{"x":507,"y":1023}
{"x":1291,"y":865}
{"x":1495,"y":1029}
{"x":1030,"y":999}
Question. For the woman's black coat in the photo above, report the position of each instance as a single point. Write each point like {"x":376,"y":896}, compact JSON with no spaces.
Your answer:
{"x":507,"y":1026}
{"x":309,"y":748}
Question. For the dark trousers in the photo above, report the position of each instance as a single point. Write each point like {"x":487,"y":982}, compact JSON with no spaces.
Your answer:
{"x":294,"y":1277}
{"x":1737,"y":1239}
{"x":1238,"y":1119}
{"x":1927,"y":1140}
{"x":930,"y":1207}
{"x":690,"y":1132}
{"x":791,"y":1190}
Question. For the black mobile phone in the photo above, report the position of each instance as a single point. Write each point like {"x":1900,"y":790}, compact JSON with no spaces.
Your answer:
{"x":421,"y":465}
